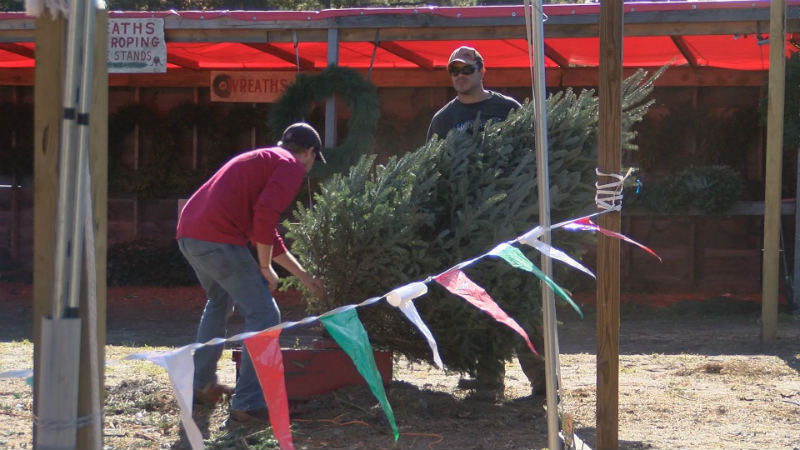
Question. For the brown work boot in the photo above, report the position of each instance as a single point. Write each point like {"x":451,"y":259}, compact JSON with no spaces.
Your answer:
{"x":212,"y":393}
{"x":490,"y":380}
{"x":533,"y":368}
{"x":250,"y":416}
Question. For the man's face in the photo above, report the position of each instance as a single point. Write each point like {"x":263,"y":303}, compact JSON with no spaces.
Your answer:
{"x":307,"y":158}
{"x":466,"y":77}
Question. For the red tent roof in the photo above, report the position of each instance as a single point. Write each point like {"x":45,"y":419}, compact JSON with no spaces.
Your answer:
{"x":227,"y":49}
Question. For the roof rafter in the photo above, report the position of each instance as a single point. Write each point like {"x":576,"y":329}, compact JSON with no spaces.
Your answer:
{"x":272,"y":49}
{"x":557,"y":57}
{"x":409,"y":55}
{"x":19,"y":49}
{"x":687,"y":53}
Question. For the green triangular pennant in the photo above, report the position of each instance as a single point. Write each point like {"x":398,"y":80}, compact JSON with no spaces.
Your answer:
{"x":347,"y":330}
{"x":518,"y":260}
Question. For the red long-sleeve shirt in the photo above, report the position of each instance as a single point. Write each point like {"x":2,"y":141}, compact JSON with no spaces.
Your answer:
{"x":243,"y":200}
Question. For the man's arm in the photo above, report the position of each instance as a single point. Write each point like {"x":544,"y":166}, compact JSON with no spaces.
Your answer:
{"x":264,"y":252}
{"x":290,"y":263}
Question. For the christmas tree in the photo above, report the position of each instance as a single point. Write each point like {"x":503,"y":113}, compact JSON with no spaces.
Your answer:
{"x":378,"y":227}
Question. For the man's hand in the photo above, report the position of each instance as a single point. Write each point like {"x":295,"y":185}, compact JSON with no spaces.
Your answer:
{"x":290,"y":263}
{"x":272,"y":278}
{"x":314,"y":285}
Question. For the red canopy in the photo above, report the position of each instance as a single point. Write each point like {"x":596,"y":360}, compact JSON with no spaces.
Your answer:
{"x":745,"y":52}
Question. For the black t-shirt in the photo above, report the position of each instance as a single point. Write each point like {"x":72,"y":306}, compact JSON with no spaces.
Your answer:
{"x":460,"y":116}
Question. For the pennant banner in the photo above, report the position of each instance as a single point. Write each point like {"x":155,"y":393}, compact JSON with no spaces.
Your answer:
{"x":410,"y":311}
{"x":459,"y":284}
{"x":265,"y":353}
{"x":401,"y":299}
{"x":559,"y":255}
{"x":518,"y":260}
{"x":180,"y":368}
{"x":586,"y":224}
{"x":346,"y":329}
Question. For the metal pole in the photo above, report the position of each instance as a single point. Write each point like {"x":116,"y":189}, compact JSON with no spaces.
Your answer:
{"x":330,"y":104}
{"x":84,"y":228}
{"x":82,"y":173}
{"x":68,"y":161}
{"x":536,"y":41}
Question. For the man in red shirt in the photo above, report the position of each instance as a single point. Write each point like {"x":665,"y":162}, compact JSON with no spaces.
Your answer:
{"x":241,"y":203}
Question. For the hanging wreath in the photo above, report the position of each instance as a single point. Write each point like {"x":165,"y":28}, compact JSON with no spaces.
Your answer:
{"x":358,"y":94}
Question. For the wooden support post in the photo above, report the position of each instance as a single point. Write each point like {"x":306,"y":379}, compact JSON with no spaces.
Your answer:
{"x":772,"y":189}
{"x":48,"y":76}
{"x":609,"y":161}
{"x":90,"y":437}
{"x":47,"y":120}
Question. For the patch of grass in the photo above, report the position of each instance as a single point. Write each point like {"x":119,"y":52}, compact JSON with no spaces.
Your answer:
{"x":712,"y":367}
{"x":243,"y":437}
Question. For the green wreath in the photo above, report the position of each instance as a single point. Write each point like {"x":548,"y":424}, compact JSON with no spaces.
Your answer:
{"x":358,"y":94}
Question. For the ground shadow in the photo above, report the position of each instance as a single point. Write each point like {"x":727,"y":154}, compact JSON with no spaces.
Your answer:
{"x":352,"y":418}
{"x":718,"y":326}
{"x":589,"y":436}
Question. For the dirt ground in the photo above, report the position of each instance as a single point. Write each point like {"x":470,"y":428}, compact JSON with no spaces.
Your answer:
{"x":691,"y":376}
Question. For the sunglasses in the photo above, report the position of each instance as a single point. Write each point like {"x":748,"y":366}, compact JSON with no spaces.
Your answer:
{"x":466,"y":70}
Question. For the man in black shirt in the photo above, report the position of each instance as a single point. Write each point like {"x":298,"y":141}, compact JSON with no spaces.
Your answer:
{"x":472,"y":100}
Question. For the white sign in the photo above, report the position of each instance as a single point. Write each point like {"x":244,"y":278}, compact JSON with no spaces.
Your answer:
{"x":136,"y":46}
{"x":256,"y":87}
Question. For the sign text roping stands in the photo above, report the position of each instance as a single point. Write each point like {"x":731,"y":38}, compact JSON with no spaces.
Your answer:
{"x":136,"y":46}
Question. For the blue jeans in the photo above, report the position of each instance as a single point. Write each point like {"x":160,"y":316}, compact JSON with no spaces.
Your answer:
{"x":229,"y":274}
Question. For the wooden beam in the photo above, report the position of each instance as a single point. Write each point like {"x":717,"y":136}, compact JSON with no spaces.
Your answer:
{"x":16,"y":35}
{"x":496,"y":77}
{"x":21,"y":50}
{"x":439,"y":27}
{"x":243,"y":35}
{"x":405,"y":53}
{"x":609,"y":161}
{"x":772,"y":189}
{"x":680,"y":44}
{"x":305,"y":63}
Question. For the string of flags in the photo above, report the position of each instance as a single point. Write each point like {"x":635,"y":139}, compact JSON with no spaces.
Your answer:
{"x":346,"y":329}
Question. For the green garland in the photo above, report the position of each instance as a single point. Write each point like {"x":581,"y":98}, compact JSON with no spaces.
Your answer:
{"x":358,"y":94}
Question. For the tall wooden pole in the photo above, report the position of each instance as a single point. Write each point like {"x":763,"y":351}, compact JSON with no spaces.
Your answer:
{"x":772,"y":190}
{"x":93,"y":359}
{"x":608,"y":161}
{"x":48,"y":76}
{"x":48,"y":111}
